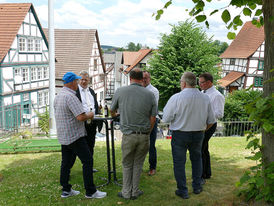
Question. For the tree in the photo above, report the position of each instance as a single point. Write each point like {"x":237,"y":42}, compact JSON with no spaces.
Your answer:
{"x":187,"y":48}
{"x":265,"y":16}
{"x":132,"y":47}
{"x":221,"y":46}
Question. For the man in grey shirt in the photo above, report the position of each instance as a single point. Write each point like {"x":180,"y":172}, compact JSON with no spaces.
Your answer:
{"x":189,"y":113}
{"x":137,"y":108}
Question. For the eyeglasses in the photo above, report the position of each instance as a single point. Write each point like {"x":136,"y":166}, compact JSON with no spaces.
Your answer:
{"x":202,"y":82}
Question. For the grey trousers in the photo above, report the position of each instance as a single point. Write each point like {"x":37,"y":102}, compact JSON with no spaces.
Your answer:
{"x":134,"y":150}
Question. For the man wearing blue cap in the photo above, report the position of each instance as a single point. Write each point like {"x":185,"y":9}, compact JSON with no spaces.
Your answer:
{"x":70,"y":117}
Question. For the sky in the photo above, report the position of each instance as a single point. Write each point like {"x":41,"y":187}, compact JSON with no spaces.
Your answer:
{"x":122,"y":21}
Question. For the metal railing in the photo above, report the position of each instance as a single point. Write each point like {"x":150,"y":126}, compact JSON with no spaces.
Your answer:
{"x":18,"y":118}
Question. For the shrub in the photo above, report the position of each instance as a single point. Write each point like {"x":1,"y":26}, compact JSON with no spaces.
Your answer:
{"x":235,"y":110}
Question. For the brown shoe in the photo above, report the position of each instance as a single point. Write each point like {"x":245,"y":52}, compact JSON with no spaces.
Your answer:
{"x":152,"y":172}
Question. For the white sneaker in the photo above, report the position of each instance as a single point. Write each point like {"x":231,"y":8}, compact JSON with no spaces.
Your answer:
{"x":71,"y":193}
{"x":98,"y":194}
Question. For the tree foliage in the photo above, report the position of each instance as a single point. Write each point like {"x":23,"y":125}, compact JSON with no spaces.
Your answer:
{"x":249,"y":7}
{"x":131,"y":46}
{"x":187,"y":48}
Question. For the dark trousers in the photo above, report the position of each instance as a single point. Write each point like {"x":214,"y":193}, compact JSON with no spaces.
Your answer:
{"x":152,"y":148}
{"x":91,"y":133}
{"x":180,"y":143}
{"x":69,"y":152}
{"x":205,"y":153}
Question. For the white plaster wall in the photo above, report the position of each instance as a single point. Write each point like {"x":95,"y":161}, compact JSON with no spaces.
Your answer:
{"x":32,"y":19}
{"x":260,"y":72}
{"x":26,"y":86}
{"x":252,"y":70}
{"x":33,"y":97}
{"x":249,"y":81}
{"x":27,"y":18}
{"x":14,"y":43}
{"x":12,"y":53}
{"x":46,"y":83}
{"x":7,"y":72}
{"x":16,"y":99}
{"x":7,"y":100}
{"x":18,"y":87}
{"x":33,"y":31}
{"x":38,"y":57}
{"x":22,"y":57}
{"x":21,"y":30}
{"x":6,"y":59}
{"x":253,"y":63}
{"x":6,"y":88}
{"x":26,"y":30}
{"x":30,"y":58}
{"x":34,"y":85}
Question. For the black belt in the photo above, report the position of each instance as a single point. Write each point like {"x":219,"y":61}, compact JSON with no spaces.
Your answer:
{"x":135,"y":132}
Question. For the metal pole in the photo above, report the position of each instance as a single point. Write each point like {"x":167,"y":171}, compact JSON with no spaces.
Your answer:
{"x":52,"y":124}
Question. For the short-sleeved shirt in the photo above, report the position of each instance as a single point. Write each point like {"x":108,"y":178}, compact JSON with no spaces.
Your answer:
{"x":136,"y":105}
{"x":188,"y":110}
{"x":67,"y":107}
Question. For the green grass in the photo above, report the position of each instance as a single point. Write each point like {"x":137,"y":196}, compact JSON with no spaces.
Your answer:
{"x":33,"y":178}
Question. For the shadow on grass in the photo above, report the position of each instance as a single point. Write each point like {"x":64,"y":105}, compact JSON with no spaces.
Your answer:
{"x":33,"y":179}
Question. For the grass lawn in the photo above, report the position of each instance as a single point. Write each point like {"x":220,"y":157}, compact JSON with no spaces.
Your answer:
{"x":33,"y":178}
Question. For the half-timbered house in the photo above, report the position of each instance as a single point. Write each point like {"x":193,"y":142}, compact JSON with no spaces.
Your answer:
{"x":77,"y":50}
{"x":243,"y":60}
{"x":135,"y":60}
{"x":24,"y":70}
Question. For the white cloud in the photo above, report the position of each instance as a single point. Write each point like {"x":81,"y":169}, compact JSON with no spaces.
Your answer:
{"x":122,"y":21}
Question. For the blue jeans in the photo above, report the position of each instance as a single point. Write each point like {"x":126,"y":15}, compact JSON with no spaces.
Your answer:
{"x":69,"y":152}
{"x":152,"y":148}
{"x":180,"y":143}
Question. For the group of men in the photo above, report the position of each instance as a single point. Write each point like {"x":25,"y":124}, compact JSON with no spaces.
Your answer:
{"x":191,"y":115}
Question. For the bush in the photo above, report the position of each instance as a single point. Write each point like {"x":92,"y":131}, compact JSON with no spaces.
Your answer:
{"x":235,"y":110}
{"x":43,"y":121}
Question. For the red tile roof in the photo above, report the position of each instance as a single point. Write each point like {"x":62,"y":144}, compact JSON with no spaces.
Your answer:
{"x":11,"y":18}
{"x":129,"y":57}
{"x":73,"y":48}
{"x":246,"y":42}
{"x":142,"y":53}
{"x":230,"y":78}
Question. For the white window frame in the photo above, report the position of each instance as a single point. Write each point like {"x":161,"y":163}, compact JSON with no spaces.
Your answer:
{"x":25,"y":74}
{"x":22,"y":44}
{"x":30,"y":43}
{"x":33,"y":73}
{"x":17,"y":71}
{"x":45,"y":72}
{"x":43,"y":98}
{"x":39,"y":73}
{"x":38,"y":45}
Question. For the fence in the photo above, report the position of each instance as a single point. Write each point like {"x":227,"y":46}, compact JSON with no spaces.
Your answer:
{"x":18,"y":118}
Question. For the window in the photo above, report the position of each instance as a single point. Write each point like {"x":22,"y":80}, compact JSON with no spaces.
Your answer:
{"x":261,"y":65}
{"x":46,"y":72}
{"x":46,"y":98}
{"x":33,"y":74}
{"x":95,"y":64}
{"x":25,"y":74}
{"x":258,"y":81}
{"x":232,"y":61}
{"x":43,"y":98}
{"x":22,"y":44}
{"x":40,"y":98}
{"x":30,"y":45}
{"x":17,"y":72}
{"x":26,"y":96}
{"x":37,"y":45}
{"x":39,"y":73}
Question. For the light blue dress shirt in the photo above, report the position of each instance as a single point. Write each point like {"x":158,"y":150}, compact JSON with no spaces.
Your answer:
{"x":188,"y":110}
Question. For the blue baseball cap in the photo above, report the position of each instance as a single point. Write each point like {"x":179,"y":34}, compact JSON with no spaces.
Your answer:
{"x":69,"y":77}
